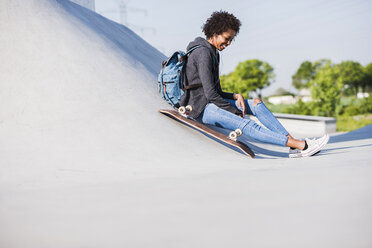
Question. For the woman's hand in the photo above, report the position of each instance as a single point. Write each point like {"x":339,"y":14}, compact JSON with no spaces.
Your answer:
{"x":241,"y":103}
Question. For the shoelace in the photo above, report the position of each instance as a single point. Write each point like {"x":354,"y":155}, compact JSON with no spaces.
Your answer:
{"x":313,"y":141}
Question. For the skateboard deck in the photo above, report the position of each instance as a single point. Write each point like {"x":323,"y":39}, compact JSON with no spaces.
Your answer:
{"x":209,"y":131}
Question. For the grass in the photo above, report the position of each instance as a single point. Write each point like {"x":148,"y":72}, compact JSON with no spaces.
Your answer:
{"x":278,"y":108}
{"x":344,"y":123}
{"x":350,"y":123}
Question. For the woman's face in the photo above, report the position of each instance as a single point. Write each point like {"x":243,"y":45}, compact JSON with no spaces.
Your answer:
{"x":221,"y":41}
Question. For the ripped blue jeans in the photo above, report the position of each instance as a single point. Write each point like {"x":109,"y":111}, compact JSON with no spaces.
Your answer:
{"x":274,"y":134}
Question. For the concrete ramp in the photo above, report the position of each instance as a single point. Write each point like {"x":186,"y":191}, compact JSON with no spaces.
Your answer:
{"x":87,"y":161}
{"x":80,"y":91}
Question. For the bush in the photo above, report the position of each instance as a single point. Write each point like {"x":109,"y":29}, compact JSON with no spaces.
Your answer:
{"x":351,"y":111}
{"x":357,"y":107}
{"x":366,"y":104}
{"x":325,"y":90}
{"x":349,"y":106}
{"x":300,"y":108}
{"x":276,"y":108}
{"x":350,"y":123}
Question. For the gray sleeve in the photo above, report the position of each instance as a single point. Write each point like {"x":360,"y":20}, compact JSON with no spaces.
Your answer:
{"x":204,"y":62}
{"x":226,"y":95}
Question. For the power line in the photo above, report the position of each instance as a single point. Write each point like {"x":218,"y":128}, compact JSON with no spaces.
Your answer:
{"x":124,"y":11}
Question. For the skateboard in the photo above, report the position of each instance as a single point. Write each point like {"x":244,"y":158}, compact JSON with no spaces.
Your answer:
{"x":181,"y":115}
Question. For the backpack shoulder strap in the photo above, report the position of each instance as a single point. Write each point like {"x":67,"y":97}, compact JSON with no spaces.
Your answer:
{"x":197,"y":46}
{"x":192,"y":49}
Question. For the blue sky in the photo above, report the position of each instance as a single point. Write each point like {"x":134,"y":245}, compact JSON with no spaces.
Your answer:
{"x":283,"y":33}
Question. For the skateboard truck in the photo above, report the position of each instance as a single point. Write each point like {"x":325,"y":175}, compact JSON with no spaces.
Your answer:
{"x":235,"y":134}
{"x":184,"y":110}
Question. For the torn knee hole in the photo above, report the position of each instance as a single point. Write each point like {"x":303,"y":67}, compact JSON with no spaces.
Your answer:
{"x":256,"y":101}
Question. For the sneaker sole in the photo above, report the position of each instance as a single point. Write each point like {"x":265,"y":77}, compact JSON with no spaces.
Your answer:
{"x":295,"y":155}
{"x":310,"y":153}
{"x":300,"y":155}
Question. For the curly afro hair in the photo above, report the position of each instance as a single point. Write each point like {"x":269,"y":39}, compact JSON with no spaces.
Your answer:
{"x":219,"y":22}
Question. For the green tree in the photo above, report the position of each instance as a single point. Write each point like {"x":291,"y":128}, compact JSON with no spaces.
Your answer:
{"x":300,"y":108}
{"x":326,"y":90}
{"x":303,"y":75}
{"x":367,"y":82}
{"x":320,"y":64}
{"x":251,"y":75}
{"x":307,"y":72}
{"x":351,"y":74}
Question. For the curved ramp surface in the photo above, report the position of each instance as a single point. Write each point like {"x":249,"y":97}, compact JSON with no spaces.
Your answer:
{"x":86,"y":160}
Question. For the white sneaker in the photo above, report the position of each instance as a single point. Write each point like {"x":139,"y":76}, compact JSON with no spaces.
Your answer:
{"x":314,"y":145}
{"x":294,"y":153}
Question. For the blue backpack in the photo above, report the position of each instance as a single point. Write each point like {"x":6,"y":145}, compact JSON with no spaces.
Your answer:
{"x":171,"y":77}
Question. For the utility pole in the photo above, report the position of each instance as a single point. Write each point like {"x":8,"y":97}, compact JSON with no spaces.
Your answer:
{"x":123,"y":16}
{"x":123,"y":13}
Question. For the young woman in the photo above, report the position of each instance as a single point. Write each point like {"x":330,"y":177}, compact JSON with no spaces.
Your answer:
{"x":213,"y":106}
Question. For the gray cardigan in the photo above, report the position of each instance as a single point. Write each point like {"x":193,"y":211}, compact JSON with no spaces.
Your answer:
{"x":202,"y":67}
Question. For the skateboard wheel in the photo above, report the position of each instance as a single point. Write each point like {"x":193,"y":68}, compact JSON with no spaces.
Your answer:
{"x":182,"y":110}
{"x":233,"y":135}
{"x":238,"y":132}
{"x":189,"y":108}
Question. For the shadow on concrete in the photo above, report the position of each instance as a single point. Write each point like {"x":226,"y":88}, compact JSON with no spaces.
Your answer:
{"x":259,"y":151}
{"x":342,"y":149}
{"x":360,"y":134}
{"x":265,"y":153}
